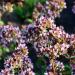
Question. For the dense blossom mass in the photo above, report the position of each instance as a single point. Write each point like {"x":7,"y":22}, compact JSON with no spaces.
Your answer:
{"x":48,"y":40}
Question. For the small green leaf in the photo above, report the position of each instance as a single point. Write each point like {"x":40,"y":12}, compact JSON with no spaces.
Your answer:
{"x":30,"y":2}
{"x":1,"y":22}
{"x":29,"y":20}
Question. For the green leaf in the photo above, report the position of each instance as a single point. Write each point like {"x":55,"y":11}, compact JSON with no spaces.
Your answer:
{"x":19,"y":11}
{"x":42,"y":1}
{"x":1,"y":51}
{"x":1,"y":22}
{"x":40,"y":65}
{"x":67,"y":70}
{"x":29,"y":20}
{"x":30,"y":2}
{"x":12,"y":46}
{"x":5,"y":50}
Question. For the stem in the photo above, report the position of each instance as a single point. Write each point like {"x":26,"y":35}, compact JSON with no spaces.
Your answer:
{"x":53,"y":62}
{"x":53,"y":65}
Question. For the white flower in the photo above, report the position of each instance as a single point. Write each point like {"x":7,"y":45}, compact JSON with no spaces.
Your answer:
{"x":45,"y":73}
{"x":51,"y":31}
{"x":47,"y":2}
{"x":29,"y":69}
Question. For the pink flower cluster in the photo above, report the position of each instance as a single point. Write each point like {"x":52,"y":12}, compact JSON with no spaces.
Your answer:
{"x":51,"y":8}
{"x":59,"y":67}
{"x":54,"y":7}
{"x":48,"y":40}
{"x":10,"y":33}
{"x":19,"y":59}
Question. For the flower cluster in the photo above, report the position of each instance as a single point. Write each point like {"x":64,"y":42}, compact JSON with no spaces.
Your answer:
{"x":51,"y":40}
{"x":10,"y":33}
{"x":59,"y":66}
{"x":51,"y":8}
{"x":9,"y":36}
{"x":47,"y":37}
{"x":54,"y":7}
{"x":19,"y":59}
{"x":48,"y":40}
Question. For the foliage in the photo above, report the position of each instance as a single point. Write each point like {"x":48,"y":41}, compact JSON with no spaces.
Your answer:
{"x":5,"y":50}
{"x":40,"y":66}
{"x":1,"y":22}
{"x":67,"y":70}
{"x":25,"y":11}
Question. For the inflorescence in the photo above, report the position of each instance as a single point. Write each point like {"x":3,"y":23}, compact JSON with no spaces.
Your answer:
{"x":48,"y":40}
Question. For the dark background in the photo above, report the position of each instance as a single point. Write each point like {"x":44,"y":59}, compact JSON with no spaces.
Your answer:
{"x":67,"y":18}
